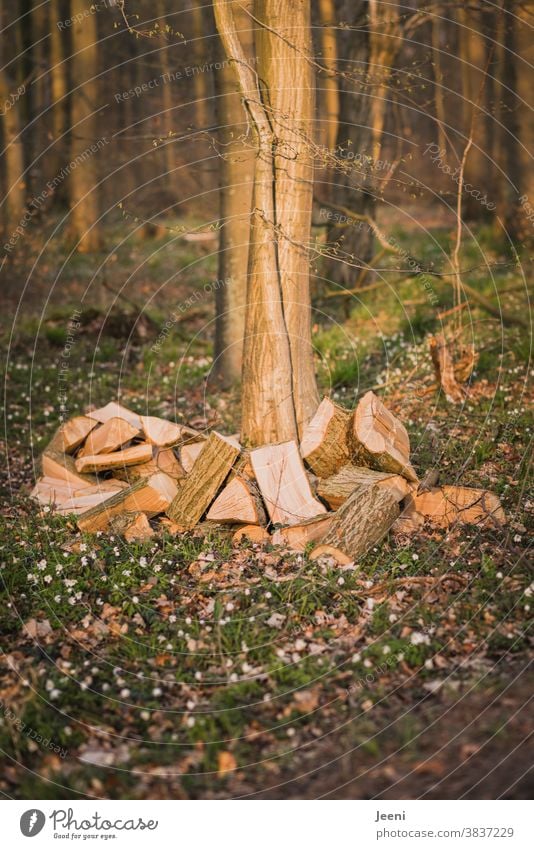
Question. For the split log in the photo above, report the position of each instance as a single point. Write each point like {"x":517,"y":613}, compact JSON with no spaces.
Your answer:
{"x":297,"y":537}
{"x":362,"y":521}
{"x":56,"y":464}
{"x":199,"y":488}
{"x":339,"y":487}
{"x":189,"y":454}
{"x":330,"y":551}
{"x":324,"y":445}
{"x":379,"y":439}
{"x":104,"y":462}
{"x":151,"y":496}
{"x":253,"y":533}
{"x":87,"y":499}
{"x":167,"y":462}
{"x":114,"y":410}
{"x":163,"y":433}
{"x":447,"y":504}
{"x":75,"y":431}
{"x":283,"y":484}
{"x":132,"y":526}
{"x":163,"y":460}
{"x":444,"y":368}
{"x":109,"y":437}
{"x":238,"y":503}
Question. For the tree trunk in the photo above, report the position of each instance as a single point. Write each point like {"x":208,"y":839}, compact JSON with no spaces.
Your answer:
{"x":58,"y":85}
{"x":329,"y":87}
{"x":279,"y":389}
{"x":14,"y":203}
{"x":353,"y":241}
{"x":237,"y":158}
{"x":83,"y":176}
{"x":200,"y":55}
{"x":168,"y":148}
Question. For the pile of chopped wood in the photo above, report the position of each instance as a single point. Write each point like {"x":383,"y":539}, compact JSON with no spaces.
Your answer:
{"x":342,"y":489}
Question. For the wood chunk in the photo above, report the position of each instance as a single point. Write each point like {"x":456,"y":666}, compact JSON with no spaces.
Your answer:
{"x":70,"y":497}
{"x":444,"y":368}
{"x":61,"y":466}
{"x":163,"y":433}
{"x":362,"y":521}
{"x":284,"y":485}
{"x":114,"y":410}
{"x":297,"y":537}
{"x":132,"y":526}
{"x":75,"y":431}
{"x":151,"y":496}
{"x":238,"y":503}
{"x":87,"y":499}
{"x":330,"y":551}
{"x":447,"y":504}
{"x":324,"y":445}
{"x":167,"y":462}
{"x":253,"y":533}
{"x":108,"y":437}
{"x":103,"y":462}
{"x":379,"y":439}
{"x":199,"y":488}
{"x":163,"y":460}
{"x":189,"y":454}
{"x":339,"y":487}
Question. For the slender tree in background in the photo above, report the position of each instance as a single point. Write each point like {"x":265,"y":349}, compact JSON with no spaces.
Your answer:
{"x":85,"y":129}
{"x":13,"y":153}
{"x":201,"y":52}
{"x":385,"y":38}
{"x":237,"y":162}
{"x":58,"y":88}
{"x":329,"y":91}
{"x":279,"y":388}
{"x":165,"y":53}
{"x":354,"y":189}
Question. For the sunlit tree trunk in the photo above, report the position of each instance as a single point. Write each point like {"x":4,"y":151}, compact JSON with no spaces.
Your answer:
{"x":166,"y":51}
{"x":237,"y":162}
{"x":279,"y":388}
{"x":201,"y":57}
{"x":385,"y":40}
{"x":85,"y":130}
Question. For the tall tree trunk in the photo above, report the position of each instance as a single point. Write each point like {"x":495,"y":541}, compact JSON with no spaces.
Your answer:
{"x":58,"y":86}
{"x":168,"y":105}
{"x":353,"y":240}
{"x":14,"y":203}
{"x":83,"y":177}
{"x":237,"y":162}
{"x":329,"y":86}
{"x":385,"y":40}
{"x":279,"y":389}
{"x":510,"y":181}
{"x":201,"y":57}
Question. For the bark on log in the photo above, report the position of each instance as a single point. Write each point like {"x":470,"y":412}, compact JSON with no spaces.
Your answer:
{"x":363,"y":520}
{"x":379,"y":439}
{"x":238,"y":503}
{"x":199,"y":488}
{"x":150,"y":496}
{"x":283,"y":484}
{"x":324,"y":445}
{"x":338,"y":488}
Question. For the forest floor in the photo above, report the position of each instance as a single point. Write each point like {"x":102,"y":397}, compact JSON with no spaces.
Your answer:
{"x":191,"y":668}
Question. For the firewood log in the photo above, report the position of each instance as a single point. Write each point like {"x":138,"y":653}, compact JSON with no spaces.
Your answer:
{"x":447,"y":504}
{"x":238,"y":503}
{"x":163,"y":433}
{"x":108,"y":437}
{"x":150,"y":496}
{"x":75,"y":431}
{"x":297,"y":537}
{"x":362,"y":521}
{"x":104,"y":462}
{"x":253,"y":533}
{"x":134,"y":527}
{"x":379,"y":440}
{"x":324,"y":446}
{"x":336,"y":489}
{"x":189,"y":453}
{"x":114,"y":410}
{"x":283,"y":484}
{"x":199,"y":488}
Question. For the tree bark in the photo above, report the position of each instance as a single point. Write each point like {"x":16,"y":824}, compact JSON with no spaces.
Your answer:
{"x":279,"y":389}
{"x":329,"y":92}
{"x":237,"y":162}
{"x":363,"y":520}
{"x":13,"y":155}
{"x":83,"y":177}
{"x":58,"y":86}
